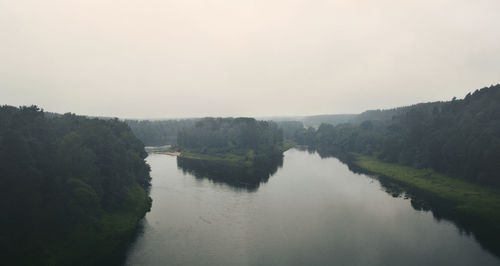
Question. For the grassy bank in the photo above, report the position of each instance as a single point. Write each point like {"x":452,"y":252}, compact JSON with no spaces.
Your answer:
{"x":470,"y":199}
{"x":228,"y":159}
{"x":240,"y":158}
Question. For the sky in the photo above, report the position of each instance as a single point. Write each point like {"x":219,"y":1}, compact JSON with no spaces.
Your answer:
{"x":194,"y":58}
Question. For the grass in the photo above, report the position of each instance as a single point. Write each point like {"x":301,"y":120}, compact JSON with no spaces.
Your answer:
{"x":288,"y":145}
{"x":233,"y":158}
{"x":225,"y":157}
{"x":470,"y":199}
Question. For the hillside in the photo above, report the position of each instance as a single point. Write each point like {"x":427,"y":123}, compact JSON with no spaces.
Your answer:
{"x":73,"y":189}
{"x":459,"y":137}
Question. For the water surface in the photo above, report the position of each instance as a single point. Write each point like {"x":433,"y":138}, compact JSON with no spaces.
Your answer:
{"x":312,"y":211}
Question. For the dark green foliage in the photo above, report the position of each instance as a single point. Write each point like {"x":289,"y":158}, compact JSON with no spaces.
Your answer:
{"x":460,"y":138}
{"x":62,"y":179}
{"x":238,"y":136}
{"x":236,"y":176}
{"x":158,"y":133}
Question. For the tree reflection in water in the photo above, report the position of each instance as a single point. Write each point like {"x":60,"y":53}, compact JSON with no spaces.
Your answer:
{"x":237,"y":176}
{"x":486,"y":234}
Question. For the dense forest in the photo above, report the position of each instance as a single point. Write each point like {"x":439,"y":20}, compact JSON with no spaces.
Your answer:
{"x":460,"y":138}
{"x":72,"y":188}
{"x":160,"y":132}
{"x":164,"y":132}
{"x":243,"y":137}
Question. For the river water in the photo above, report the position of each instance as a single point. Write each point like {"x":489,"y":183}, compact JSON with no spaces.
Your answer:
{"x":308,"y":211}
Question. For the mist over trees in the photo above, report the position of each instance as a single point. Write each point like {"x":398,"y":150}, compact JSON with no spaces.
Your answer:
{"x":72,"y":189}
{"x":289,"y":128}
{"x":239,"y":136}
{"x":335,"y":119}
{"x":460,"y":137}
{"x":158,"y":133}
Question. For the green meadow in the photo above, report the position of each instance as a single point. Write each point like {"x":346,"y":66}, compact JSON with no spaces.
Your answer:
{"x":469,"y":199}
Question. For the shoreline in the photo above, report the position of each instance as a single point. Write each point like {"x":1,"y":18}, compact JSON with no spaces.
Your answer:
{"x":176,"y":153}
{"x":470,"y":199}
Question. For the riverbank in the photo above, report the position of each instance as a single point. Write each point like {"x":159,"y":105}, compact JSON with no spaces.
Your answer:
{"x":103,"y":241}
{"x":175,"y":153}
{"x":232,"y":158}
{"x":316,"y":206}
{"x":470,"y":200}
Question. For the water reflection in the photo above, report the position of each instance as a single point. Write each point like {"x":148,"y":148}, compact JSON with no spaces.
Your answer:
{"x":314,"y":212}
{"x":238,"y":177}
{"x":486,"y":234}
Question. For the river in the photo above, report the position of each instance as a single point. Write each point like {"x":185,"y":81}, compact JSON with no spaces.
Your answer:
{"x":308,"y":210}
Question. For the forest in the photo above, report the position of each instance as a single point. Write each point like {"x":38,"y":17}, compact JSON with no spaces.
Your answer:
{"x":72,"y":189}
{"x":158,"y":132}
{"x":460,"y":138}
{"x":233,"y":138}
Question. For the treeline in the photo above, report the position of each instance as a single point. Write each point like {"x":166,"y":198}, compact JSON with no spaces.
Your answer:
{"x":316,"y":120}
{"x":72,"y":189}
{"x":460,"y":138}
{"x":237,"y":136}
{"x":158,"y":133}
{"x":290,"y":128}
{"x":384,"y":116}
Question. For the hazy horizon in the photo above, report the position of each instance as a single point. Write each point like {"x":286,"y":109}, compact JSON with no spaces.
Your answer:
{"x":278,"y":116}
{"x":177,"y":59}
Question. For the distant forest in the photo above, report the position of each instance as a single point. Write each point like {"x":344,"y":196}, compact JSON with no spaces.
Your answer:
{"x":460,"y":138}
{"x":160,"y":132}
{"x":245,"y":137}
{"x":72,"y":189}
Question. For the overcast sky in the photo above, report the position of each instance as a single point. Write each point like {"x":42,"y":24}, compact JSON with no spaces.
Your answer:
{"x":184,"y":58}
